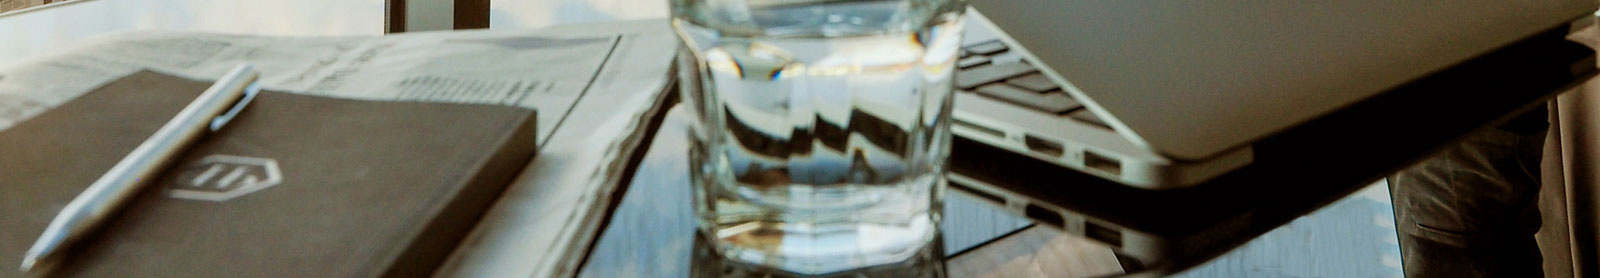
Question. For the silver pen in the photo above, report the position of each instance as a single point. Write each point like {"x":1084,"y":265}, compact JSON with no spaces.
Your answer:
{"x":208,"y":113}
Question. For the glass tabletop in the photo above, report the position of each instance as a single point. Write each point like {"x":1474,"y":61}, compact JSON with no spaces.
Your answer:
{"x":651,"y":232}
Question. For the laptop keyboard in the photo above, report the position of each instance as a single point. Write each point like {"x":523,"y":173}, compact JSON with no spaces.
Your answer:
{"x":1015,"y":82}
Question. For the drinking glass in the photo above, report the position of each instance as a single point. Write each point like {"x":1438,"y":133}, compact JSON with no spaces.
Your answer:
{"x":822,"y":127}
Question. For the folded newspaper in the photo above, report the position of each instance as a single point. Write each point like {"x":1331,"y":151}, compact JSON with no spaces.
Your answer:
{"x":596,"y":88}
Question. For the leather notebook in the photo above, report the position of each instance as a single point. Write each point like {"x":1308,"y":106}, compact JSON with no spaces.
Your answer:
{"x":296,"y":186}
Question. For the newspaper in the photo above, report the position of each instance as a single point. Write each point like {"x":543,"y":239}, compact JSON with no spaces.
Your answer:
{"x":592,"y":85}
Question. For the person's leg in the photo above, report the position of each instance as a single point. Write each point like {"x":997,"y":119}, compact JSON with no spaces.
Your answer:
{"x":1472,"y":210}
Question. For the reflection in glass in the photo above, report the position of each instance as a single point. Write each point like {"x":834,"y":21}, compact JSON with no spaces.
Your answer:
{"x":927,"y":263}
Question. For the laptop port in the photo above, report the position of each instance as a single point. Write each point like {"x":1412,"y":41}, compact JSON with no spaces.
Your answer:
{"x":1102,"y":163}
{"x":1102,"y":234}
{"x":1044,"y":216}
{"x":975,"y":127}
{"x":1043,"y":146}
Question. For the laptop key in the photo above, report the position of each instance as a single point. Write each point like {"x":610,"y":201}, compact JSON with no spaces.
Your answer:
{"x":972,"y":61}
{"x":1049,"y":103}
{"x":985,"y":74}
{"x":1036,"y":82}
{"x":1088,"y":117}
{"x":988,"y":48}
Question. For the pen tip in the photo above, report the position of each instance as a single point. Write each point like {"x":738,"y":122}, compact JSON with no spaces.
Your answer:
{"x":27,"y":263}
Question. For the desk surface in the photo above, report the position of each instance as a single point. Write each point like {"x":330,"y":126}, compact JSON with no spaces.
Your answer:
{"x":652,"y":229}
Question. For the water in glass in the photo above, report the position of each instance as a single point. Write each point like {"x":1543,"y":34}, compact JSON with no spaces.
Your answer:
{"x":822,"y":126}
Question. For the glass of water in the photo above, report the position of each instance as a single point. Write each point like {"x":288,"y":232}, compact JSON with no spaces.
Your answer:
{"x":822,"y":126}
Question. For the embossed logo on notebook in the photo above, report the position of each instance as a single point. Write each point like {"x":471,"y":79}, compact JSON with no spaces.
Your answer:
{"x":219,"y":178}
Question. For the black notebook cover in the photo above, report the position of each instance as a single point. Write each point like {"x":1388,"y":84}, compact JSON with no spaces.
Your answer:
{"x":297,"y":186}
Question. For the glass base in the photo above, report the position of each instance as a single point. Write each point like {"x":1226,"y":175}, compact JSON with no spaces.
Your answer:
{"x":710,"y":261}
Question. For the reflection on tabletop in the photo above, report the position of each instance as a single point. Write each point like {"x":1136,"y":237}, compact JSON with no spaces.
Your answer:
{"x":651,"y":232}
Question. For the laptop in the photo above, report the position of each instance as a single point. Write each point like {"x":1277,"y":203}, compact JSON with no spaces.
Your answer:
{"x":1164,"y":95}
{"x":1161,"y":95}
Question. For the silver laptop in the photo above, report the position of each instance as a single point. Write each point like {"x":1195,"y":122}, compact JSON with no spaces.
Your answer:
{"x":1164,"y":94}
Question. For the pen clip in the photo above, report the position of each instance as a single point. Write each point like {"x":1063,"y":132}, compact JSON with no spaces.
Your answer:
{"x":250,"y":92}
